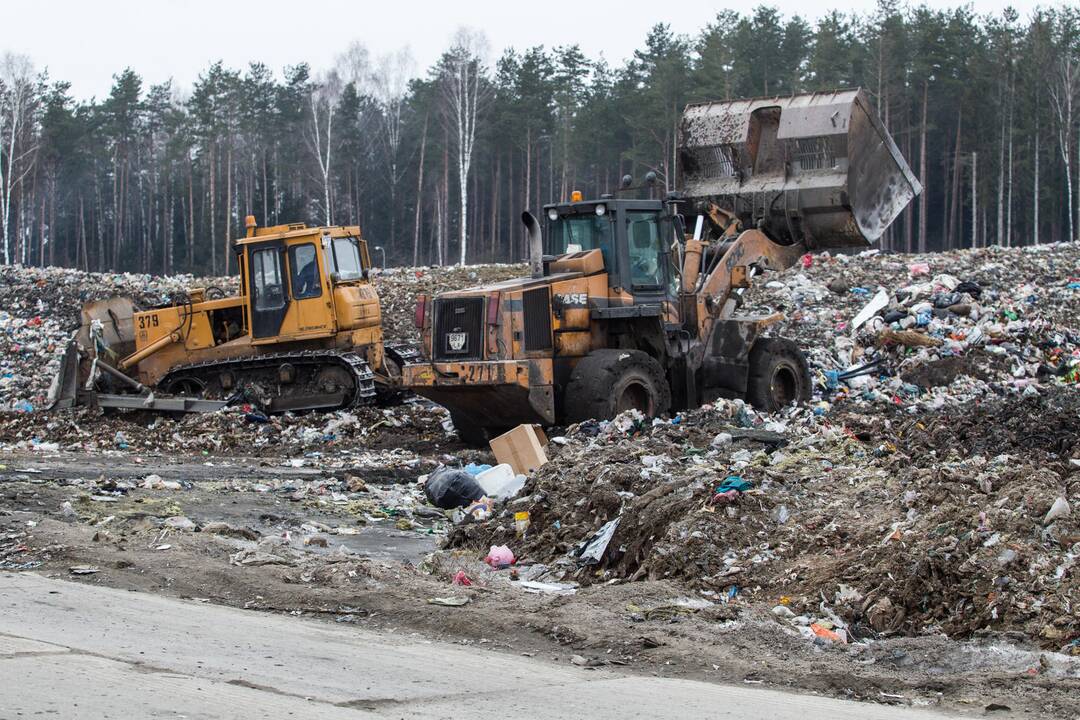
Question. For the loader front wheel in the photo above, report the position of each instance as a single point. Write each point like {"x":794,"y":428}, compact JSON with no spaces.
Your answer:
{"x":607,"y":382}
{"x":779,"y":375}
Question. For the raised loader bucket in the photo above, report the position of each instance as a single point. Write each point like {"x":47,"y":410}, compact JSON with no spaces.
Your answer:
{"x":818,"y":168}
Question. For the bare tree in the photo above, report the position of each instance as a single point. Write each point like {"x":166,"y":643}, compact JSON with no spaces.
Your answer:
{"x":466,"y":91}
{"x":390,"y":83}
{"x":324,"y":99}
{"x":1064,"y":91}
{"x":18,"y":93}
{"x":354,"y":66}
{"x":419,"y":194}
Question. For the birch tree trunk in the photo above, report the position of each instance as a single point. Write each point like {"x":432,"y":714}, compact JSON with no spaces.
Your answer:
{"x":213,"y":224}
{"x":465,"y":89}
{"x":16,"y":77}
{"x":1063,"y":92}
{"x":228,"y":206}
{"x":419,"y":195}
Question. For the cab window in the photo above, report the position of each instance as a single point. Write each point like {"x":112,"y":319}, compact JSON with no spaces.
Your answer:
{"x":345,"y":258}
{"x":267,"y":277}
{"x":574,"y":233}
{"x":304,"y":267}
{"x":647,"y":251}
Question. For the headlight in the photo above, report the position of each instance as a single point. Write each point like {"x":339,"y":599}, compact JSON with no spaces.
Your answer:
{"x":553,"y":214}
{"x":600,"y":210}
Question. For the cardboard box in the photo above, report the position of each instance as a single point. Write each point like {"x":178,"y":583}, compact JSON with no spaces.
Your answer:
{"x":521,"y":448}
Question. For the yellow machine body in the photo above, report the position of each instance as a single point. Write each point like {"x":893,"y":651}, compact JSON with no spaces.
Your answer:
{"x":325,"y":313}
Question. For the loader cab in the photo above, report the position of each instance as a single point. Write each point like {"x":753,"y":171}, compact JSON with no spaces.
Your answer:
{"x":306,"y":283}
{"x":634,"y":237}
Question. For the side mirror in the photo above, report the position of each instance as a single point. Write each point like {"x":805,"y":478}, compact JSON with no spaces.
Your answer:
{"x":680,"y":228}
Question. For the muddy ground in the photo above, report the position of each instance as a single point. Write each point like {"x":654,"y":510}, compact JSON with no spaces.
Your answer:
{"x":910,"y":536}
{"x":67,"y":513}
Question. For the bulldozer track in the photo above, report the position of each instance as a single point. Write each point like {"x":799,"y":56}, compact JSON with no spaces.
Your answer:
{"x":404,"y":353}
{"x":313,"y":360}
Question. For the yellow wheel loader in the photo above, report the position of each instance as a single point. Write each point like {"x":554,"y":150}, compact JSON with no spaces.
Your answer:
{"x":634,"y":304}
{"x":303,"y":333}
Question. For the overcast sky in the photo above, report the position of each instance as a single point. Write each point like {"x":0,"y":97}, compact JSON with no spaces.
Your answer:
{"x":87,"y":41}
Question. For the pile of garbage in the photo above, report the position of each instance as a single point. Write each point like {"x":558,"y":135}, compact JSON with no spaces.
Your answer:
{"x":236,"y":430}
{"x":932,"y":486}
{"x":399,"y":287}
{"x":39,"y":313}
{"x":933,"y":329}
{"x":960,"y":520}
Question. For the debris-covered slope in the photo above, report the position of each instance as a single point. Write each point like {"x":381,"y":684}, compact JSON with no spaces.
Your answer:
{"x":39,"y":311}
{"x":895,"y":523}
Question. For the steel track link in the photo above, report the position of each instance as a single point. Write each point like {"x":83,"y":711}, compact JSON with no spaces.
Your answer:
{"x":363,"y":377}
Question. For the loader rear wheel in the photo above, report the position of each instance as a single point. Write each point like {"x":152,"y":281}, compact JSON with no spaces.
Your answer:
{"x":779,"y":374}
{"x":607,"y":382}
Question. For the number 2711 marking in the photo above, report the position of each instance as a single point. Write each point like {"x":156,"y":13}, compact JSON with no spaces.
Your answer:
{"x":480,"y":374}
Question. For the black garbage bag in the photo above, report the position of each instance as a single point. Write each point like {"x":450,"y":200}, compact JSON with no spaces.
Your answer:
{"x":449,"y":488}
{"x":970,"y":287}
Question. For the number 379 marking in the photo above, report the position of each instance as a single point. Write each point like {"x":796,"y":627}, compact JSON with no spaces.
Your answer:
{"x":148,"y":321}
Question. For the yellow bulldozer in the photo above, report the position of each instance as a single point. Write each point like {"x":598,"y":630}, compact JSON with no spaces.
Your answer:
{"x":304,"y":332}
{"x":628,"y":307}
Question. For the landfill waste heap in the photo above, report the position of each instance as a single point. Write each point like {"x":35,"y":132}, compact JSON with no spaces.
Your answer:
{"x":929,"y":486}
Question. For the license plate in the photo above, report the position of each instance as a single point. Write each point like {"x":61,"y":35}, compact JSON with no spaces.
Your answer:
{"x":456,"y":341}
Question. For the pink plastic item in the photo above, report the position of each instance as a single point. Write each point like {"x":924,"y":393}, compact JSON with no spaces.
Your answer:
{"x":499,"y":556}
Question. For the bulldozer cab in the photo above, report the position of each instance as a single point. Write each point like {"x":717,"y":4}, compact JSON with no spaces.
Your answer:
{"x":302,"y":283}
{"x":634,"y":238}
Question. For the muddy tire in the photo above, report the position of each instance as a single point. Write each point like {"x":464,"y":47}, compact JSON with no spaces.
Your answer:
{"x":607,"y":382}
{"x":472,"y":433}
{"x":779,"y":374}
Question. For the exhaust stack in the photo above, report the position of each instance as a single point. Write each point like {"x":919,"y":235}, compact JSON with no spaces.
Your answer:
{"x":536,"y":244}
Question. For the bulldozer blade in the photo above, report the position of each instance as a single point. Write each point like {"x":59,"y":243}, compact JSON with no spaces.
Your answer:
{"x":816,"y":168}
{"x":64,"y":390}
{"x":116,"y":315}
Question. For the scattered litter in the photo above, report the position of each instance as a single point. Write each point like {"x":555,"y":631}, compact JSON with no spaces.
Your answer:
{"x":449,"y":488}
{"x":532,"y":586}
{"x":449,"y":601}
{"x":500,"y":557}
{"x":521,"y":448}
{"x":83,"y":570}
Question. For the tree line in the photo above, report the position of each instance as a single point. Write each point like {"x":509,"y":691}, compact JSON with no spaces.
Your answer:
{"x":437,"y":167}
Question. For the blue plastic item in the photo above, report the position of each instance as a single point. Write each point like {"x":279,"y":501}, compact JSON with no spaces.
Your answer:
{"x":734,"y":482}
